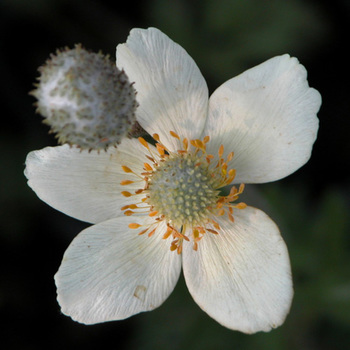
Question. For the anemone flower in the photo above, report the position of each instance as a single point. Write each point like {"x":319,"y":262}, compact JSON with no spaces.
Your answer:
{"x":173,"y":203}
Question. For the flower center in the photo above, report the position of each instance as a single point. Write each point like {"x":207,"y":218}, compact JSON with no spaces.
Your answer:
{"x":182,"y":189}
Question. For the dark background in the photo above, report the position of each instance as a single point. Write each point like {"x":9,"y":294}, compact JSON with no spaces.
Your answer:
{"x":311,"y":207}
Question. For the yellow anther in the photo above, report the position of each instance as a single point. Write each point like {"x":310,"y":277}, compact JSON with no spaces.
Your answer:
{"x":126,"y":182}
{"x":173,"y":247}
{"x":126,"y":194}
{"x":193,"y":143}
{"x":167,"y":233}
{"x":221,"y":212}
{"x":150,"y":158}
{"x":233,"y":191}
{"x":156,"y":137}
{"x":224,"y":169}
{"x":230,"y":156}
{"x":152,"y":232}
{"x":143,"y":142}
{"x":241,"y":205}
{"x":232,"y":173}
{"x":221,"y":151}
{"x":185,"y":144}
{"x":147,"y":167}
{"x":131,"y":206}
{"x":231,"y":176}
{"x":209,"y":157}
{"x":174,"y":134}
{"x":241,"y":188}
{"x":220,"y":203}
{"x":160,"y":149}
{"x":126,"y":169}
{"x":134,"y":225}
{"x":212,"y":231}
{"x":142,"y":232}
{"x":199,"y":144}
{"x":215,"y":224}
{"x":230,"y":217}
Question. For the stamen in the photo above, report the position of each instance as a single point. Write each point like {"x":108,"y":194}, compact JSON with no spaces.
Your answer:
{"x":209,"y":157}
{"x":224,"y":169}
{"x":134,"y":225}
{"x":181,"y":190}
{"x":160,"y":149}
{"x":126,"y":194}
{"x":230,"y":157}
{"x":150,"y":158}
{"x":142,"y":232}
{"x":231,"y":217}
{"x":131,"y":206}
{"x":232,"y":174}
{"x":156,"y":137}
{"x":221,"y":212}
{"x":241,"y":188}
{"x":143,"y":142}
{"x":221,"y":151}
{"x":174,"y":134}
{"x":126,"y":169}
{"x":167,"y":233}
{"x":152,"y":232}
{"x":240,"y":205}
{"x":126,"y":182}
{"x":173,"y":247}
{"x":215,"y":224}
{"x":147,"y":167}
{"x":185,"y":144}
{"x":212,"y":231}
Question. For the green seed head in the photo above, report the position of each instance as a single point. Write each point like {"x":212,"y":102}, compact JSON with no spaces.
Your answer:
{"x":85,"y":99}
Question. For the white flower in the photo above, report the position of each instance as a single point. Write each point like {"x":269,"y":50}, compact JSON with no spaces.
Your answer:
{"x":157,"y":209}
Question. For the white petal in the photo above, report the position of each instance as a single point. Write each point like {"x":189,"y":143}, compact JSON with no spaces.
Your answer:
{"x":109,"y":272}
{"x":241,"y":277}
{"x":171,"y":90}
{"x":267,"y":117}
{"x":85,"y":185}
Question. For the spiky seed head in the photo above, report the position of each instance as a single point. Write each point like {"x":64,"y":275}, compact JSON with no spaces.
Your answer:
{"x":85,"y":99}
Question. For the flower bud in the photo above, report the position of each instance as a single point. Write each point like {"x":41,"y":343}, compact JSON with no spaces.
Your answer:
{"x":85,"y":99}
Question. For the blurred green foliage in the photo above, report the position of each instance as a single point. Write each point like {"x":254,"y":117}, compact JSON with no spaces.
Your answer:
{"x":230,"y":36}
{"x":311,"y":207}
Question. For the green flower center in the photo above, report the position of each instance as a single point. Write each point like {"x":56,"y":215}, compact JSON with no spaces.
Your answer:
{"x":182,"y":189}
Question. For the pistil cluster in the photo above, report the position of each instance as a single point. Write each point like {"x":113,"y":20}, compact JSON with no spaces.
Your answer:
{"x":182,"y":189}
